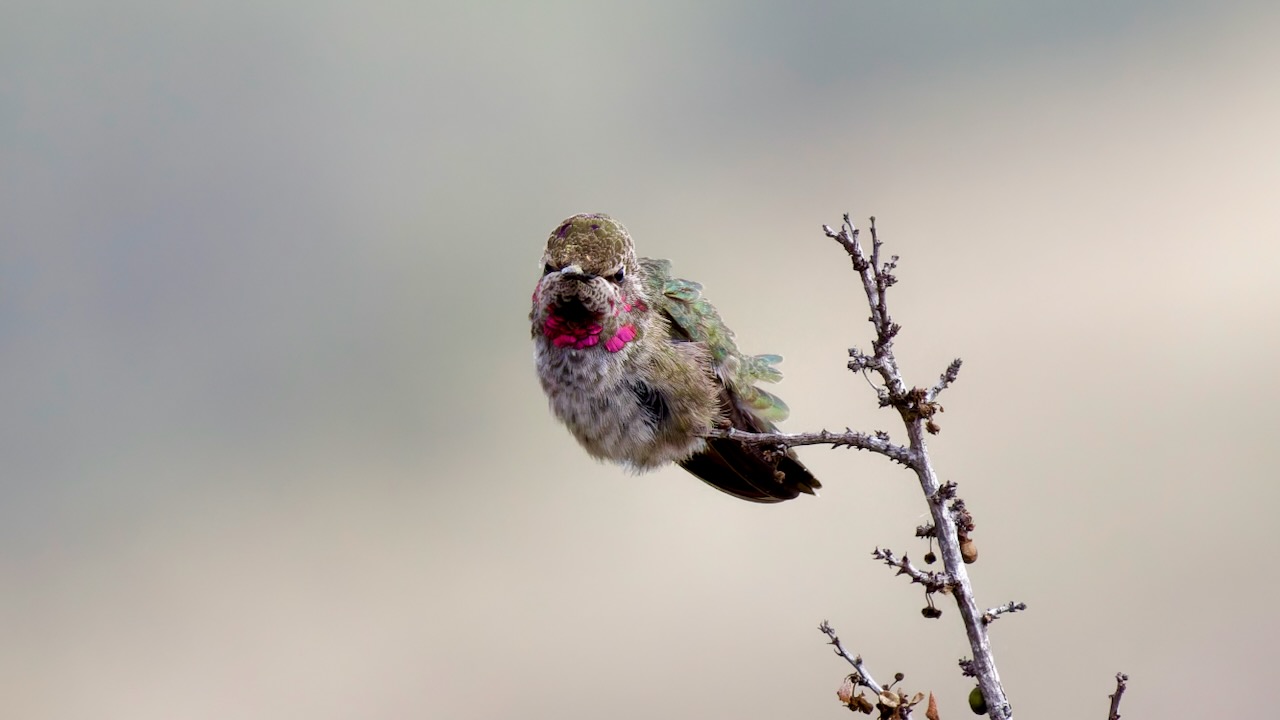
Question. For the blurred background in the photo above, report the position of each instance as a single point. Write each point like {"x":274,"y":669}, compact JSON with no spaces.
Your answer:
{"x":271,"y":444}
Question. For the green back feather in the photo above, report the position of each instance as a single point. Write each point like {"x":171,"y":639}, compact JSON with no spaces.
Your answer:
{"x":697,"y":320}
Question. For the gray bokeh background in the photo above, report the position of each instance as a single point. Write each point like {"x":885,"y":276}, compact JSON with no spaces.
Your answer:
{"x":270,"y":441}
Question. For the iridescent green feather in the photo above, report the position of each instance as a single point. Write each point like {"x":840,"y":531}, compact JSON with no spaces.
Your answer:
{"x":695,"y":318}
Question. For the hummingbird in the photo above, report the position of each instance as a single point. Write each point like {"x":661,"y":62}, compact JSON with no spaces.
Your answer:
{"x":639,"y":366}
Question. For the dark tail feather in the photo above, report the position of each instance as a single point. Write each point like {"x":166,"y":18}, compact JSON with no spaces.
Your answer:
{"x":745,"y":471}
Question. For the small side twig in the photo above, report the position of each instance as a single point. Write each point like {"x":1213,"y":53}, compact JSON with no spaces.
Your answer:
{"x":932,"y":581}
{"x":1122,"y":682}
{"x":944,"y":380}
{"x":864,"y":677}
{"x":990,"y":616}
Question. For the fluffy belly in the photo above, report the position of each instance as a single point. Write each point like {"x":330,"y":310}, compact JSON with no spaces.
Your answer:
{"x":603,"y":408}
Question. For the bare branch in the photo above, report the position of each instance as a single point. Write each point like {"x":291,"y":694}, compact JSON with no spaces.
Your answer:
{"x":917,"y":406}
{"x":990,"y":615}
{"x":1122,"y":682}
{"x":932,"y":581}
{"x":864,"y":677}
{"x":875,"y":442}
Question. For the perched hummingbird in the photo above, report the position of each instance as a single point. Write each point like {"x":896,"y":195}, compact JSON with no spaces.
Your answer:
{"x":638,"y":365}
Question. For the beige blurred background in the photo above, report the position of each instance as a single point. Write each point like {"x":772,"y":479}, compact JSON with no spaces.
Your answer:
{"x":270,"y":441}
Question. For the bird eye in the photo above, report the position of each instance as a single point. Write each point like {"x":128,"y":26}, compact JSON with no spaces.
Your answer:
{"x":548,"y":269}
{"x":618,"y":276}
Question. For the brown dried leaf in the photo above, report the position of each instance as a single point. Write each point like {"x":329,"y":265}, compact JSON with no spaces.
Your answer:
{"x":845,"y":693}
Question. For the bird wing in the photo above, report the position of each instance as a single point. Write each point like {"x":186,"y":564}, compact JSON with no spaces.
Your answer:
{"x":750,"y":472}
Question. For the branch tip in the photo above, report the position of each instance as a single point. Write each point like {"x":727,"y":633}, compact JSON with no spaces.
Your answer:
{"x":1122,"y":682}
